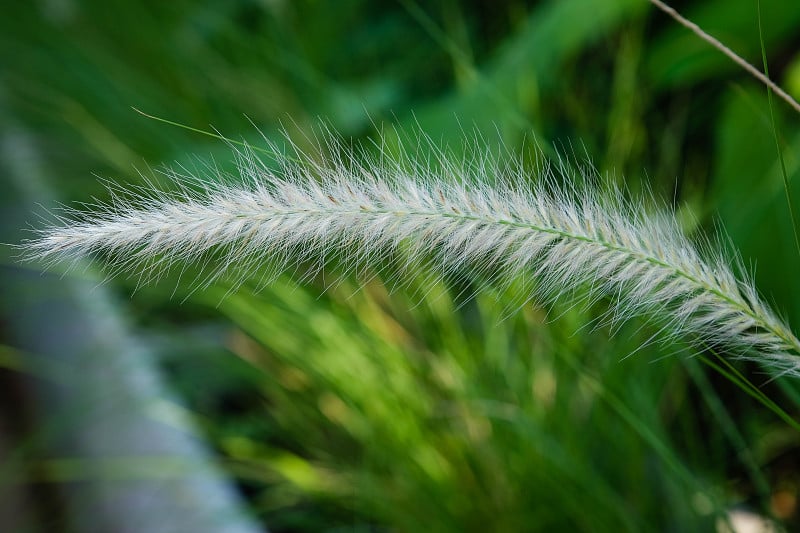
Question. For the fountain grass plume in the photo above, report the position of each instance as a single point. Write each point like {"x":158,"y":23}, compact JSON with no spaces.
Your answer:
{"x":480,"y":213}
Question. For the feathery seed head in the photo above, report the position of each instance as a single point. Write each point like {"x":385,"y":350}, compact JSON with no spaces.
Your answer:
{"x":474,"y":212}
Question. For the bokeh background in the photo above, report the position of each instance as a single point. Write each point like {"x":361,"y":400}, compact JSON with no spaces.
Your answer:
{"x":354,"y":408}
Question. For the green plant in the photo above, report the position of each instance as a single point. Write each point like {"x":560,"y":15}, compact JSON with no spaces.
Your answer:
{"x":420,"y":408}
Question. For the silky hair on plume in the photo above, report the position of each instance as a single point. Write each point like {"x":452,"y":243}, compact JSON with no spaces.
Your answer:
{"x":481,"y":213}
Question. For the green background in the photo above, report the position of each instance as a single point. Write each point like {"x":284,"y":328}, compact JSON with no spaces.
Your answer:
{"x":359,"y":408}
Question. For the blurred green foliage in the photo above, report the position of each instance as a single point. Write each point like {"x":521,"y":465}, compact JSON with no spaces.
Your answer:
{"x":345,"y":409}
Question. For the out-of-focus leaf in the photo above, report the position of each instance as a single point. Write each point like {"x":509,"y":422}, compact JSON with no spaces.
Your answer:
{"x":679,"y":58}
{"x":749,"y":196}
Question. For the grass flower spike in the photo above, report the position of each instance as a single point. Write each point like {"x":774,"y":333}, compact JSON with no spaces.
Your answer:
{"x":474,"y":213}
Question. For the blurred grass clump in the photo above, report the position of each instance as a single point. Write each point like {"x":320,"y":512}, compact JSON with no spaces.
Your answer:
{"x":358,"y":409}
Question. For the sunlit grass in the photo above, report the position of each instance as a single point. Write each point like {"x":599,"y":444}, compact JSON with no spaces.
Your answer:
{"x":414,"y":410}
